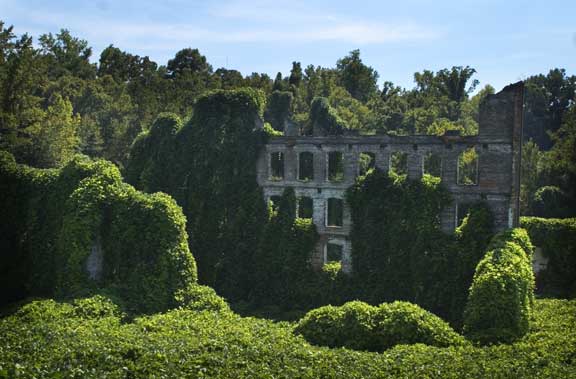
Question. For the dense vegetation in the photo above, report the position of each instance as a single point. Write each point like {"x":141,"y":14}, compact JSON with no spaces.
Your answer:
{"x":72,"y":228}
{"x":54,"y":102}
{"x":360,"y":326}
{"x":501,"y":297}
{"x":81,"y":229}
{"x":90,"y":339}
{"x":557,"y":239}
{"x":399,"y":251}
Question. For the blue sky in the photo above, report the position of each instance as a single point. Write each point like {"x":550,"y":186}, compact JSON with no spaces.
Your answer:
{"x":504,"y":40}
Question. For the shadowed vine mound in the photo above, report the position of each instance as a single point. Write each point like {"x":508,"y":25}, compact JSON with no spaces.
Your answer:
{"x":82,"y":230}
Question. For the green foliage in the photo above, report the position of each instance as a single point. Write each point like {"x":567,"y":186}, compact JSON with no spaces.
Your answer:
{"x":324,"y":120}
{"x":360,"y":326}
{"x":209,"y":167}
{"x":77,"y":214}
{"x":201,"y":298}
{"x":270,"y":131}
{"x":399,"y":251}
{"x":151,"y":156}
{"x":468,"y":167}
{"x":502,"y":293}
{"x":548,"y":98}
{"x":350,"y":325}
{"x":281,"y":263}
{"x":551,"y":202}
{"x":386,"y":215}
{"x":557,"y":239}
{"x":279,"y":109}
{"x":406,"y":323}
{"x":358,"y":79}
{"x":180,"y":343}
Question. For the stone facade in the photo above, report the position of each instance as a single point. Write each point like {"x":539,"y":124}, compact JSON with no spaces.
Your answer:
{"x":498,"y":145}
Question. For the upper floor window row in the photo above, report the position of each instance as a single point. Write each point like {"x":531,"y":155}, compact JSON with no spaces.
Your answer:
{"x":431,"y":164}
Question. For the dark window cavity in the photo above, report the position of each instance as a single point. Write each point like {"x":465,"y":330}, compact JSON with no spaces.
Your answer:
{"x":306,"y":166}
{"x":277,"y":166}
{"x":335,"y":212}
{"x":335,"y":166}
{"x":334,"y":252}
{"x":432,"y":165}
{"x":305,"y":207}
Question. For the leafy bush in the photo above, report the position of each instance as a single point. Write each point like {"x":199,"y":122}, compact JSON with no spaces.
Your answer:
{"x":551,"y":202}
{"x":350,"y":325}
{"x":209,"y":166}
{"x":401,"y":322}
{"x":557,"y":239}
{"x":278,"y":109}
{"x":95,"y":307}
{"x":77,"y":241}
{"x":323,"y":118}
{"x":201,"y":298}
{"x":184,"y":343}
{"x":360,"y":326}
{"x":502,"y":292}
{"x":518,"y":236}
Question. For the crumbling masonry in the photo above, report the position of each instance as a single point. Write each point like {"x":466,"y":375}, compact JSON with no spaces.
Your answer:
{"x":320,"y":168}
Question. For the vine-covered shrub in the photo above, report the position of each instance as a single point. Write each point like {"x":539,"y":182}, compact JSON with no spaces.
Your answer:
{"x":360,"y":326}
{"x":278,"y":109}
{"x":472,"y":238}
{"x":399,"y":251}
{"x":349,"y":325}
{"x":181,"y":343}
{"x":201,"y":298}
{"x":557,"y":239}
{"x":86,"y":231}
{"x":518,"y":236}
{"x":323,"y":118}
{"x":401,"y":322}
{"x":95,"y":307}
{"x":552,"y":202}
{"x":281,"y":261}
{"x":396,"y":237}
{"x":212,"y":174}
{"x":502,"y":292}
{"x":152,"y":157}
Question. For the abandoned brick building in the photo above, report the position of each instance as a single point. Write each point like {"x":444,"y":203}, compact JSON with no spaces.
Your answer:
{"x":320,"y":168}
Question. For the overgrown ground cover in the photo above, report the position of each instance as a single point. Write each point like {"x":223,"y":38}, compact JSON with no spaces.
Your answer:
{"x":91,"y":339}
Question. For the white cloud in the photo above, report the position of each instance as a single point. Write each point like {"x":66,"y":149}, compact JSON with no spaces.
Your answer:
{"x":234,"y":22}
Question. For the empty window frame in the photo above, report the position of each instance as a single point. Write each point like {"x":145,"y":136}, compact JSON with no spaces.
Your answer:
{"x":306,"y":166}
{"x":305,"y":207}
{"x":277,"y":166}
{"x":399,"y":163}
{"x":335,"y":212}
{"x":366,"y":162}
{"x":432,"y":165}
{"x":468,"y":167}
{"x":334,"y":252}
{"x":335,"y":166}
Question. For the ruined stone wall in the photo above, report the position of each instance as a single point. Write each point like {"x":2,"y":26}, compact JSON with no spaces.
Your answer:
{"x":498,"y":146}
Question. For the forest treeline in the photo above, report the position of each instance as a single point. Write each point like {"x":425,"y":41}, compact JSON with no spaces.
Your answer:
{"x":57,"y":100}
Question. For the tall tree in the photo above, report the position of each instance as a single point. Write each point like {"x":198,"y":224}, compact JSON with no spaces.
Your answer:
{"x":67,"y":55}
{"x":188,"y":60}
{"x":295,"y":74}
{"x":358,"y":79}
{"x":547,"y":98}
